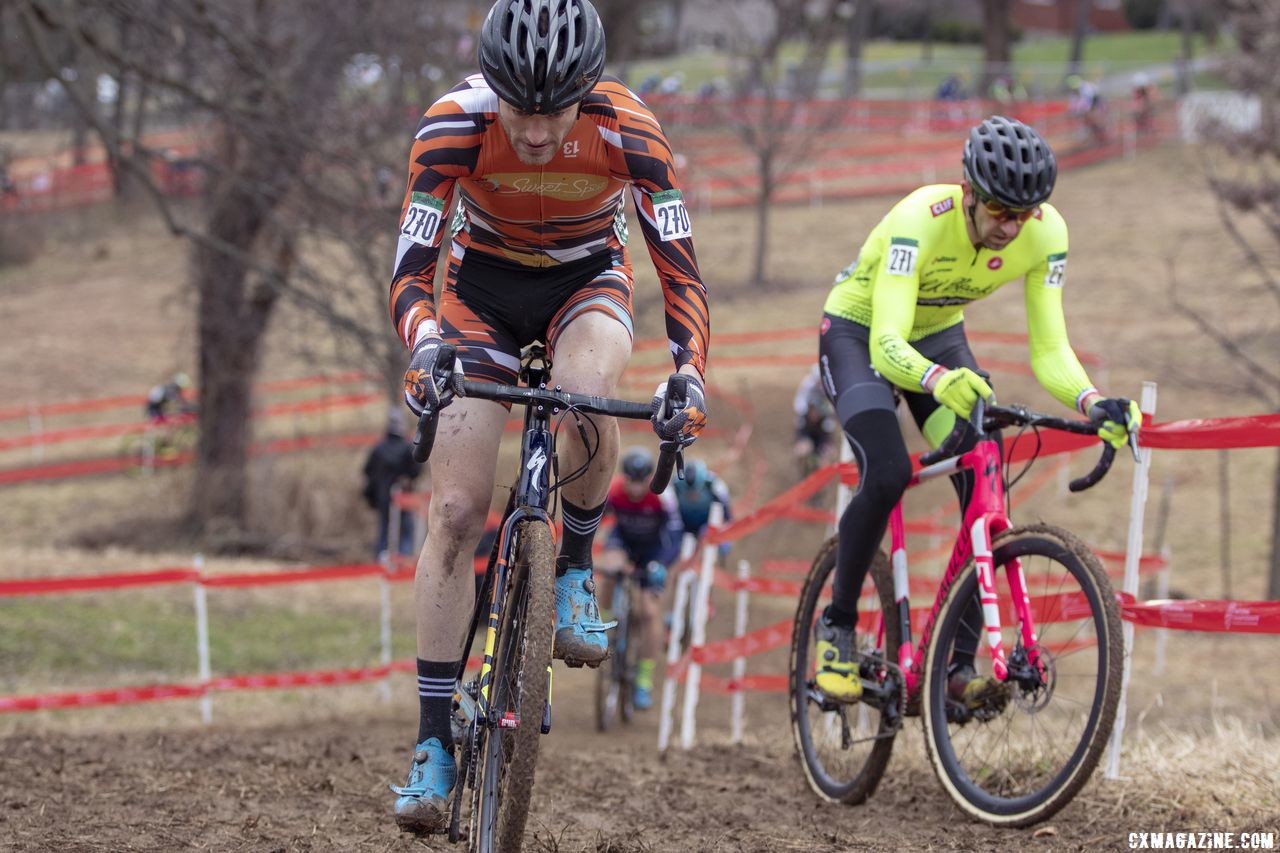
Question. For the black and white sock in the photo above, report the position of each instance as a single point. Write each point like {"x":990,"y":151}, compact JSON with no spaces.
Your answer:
{"x":579,"y":532}
{"x":436,"y":680}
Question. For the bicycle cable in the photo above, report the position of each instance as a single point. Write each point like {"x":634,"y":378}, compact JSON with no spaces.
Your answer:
{"x":581,"y":470}
{"x":1004,"y":469}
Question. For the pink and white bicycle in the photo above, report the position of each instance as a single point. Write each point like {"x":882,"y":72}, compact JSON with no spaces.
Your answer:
{"x":1044,"y":606}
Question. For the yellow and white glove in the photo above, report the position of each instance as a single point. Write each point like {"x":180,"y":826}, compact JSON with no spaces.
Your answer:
{"x":959,"y":390}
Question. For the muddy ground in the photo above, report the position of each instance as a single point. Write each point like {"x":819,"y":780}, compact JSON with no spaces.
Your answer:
{"x":244,"y":786}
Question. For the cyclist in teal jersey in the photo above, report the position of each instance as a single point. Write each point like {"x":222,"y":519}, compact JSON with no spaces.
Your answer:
{"x":893,"y":326}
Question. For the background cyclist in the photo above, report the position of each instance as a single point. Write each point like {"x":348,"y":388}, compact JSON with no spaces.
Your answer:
{"x":645,"y":539}
{"x":539,"y":150}
{"x":893,"y":327}
{"x":696,"y":493}
{"x":168,"y":399}
{"x":815,"y":425}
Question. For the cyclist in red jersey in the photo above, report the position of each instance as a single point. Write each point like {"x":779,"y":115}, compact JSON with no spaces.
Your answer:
{"x":539,"y":150}
{"x":646,"y":535}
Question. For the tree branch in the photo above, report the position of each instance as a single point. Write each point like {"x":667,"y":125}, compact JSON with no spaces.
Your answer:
{"x":1224,"y":342}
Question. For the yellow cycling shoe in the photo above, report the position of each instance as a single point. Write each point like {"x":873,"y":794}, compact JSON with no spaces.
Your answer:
{"x":837,"y":667}
{"x":977,"y":692}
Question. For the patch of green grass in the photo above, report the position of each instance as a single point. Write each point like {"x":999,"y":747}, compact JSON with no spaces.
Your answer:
{"x":1144,"y":47}
{"x":132,"y":637}
{"x":1039,"y":60}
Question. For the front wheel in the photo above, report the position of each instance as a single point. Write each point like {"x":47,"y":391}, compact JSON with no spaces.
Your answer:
{"x":844,"y":749}
{"x":1016,"y":753}
{"x":520,"y":684}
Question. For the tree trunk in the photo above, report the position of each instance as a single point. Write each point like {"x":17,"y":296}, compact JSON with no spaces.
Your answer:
{"x":1184,"y":61}
{"x":855,"y":34}
{"x":926,"y":49}
{"x":763,"y":203}
{"x":232,"y":316}
{"x":1079,"y":32}
{"x":995,"y":41}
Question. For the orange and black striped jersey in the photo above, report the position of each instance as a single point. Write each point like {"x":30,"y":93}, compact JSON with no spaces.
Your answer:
{"x":539,"y":216}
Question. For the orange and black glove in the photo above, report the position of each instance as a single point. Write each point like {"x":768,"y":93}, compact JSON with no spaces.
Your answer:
{"x":679,"y":411}
{"x":425,"y":384}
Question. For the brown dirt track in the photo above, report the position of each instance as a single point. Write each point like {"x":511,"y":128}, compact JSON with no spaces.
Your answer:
{"x":322,"y":786}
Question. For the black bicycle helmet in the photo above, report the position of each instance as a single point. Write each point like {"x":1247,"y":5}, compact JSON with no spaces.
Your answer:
{"x":1008,"y":161}
{"x":542,"y":55}
{"x":637,"y":464}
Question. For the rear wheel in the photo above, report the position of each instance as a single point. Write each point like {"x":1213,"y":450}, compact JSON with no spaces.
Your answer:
{"x":520,"y":685}
{"x":844,"y":749}
{"x":1021,"y":754}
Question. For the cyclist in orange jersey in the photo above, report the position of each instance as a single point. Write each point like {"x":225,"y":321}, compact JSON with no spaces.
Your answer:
{"x":539,"y":150}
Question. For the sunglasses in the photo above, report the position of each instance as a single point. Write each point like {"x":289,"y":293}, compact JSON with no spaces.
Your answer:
{"x":1001,"y":213}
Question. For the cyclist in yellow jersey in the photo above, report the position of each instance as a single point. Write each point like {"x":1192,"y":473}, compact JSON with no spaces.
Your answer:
{"x":893,"y":326}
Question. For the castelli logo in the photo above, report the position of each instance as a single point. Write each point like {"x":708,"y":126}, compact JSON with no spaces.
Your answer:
{"x":826,"y":324}
{"x":995,"y":263}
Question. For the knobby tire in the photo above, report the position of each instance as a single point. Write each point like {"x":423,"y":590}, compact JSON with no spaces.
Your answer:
{"x":521,"y":658}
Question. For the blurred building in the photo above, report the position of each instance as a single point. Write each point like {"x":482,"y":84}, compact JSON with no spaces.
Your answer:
{"x":1059,"y":16}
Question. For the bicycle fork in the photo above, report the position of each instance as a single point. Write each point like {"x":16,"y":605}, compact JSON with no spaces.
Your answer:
{"x":984,"y":561}
{"x":1027,"y":652}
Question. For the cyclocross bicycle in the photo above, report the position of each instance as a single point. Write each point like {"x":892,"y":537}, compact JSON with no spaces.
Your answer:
{"x":1052,"y":633}
{"x":615,"y":679}
{"x":501,"y":715}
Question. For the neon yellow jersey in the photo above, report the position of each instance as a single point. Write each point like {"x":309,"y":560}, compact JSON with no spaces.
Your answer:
{"x":918,"y":270}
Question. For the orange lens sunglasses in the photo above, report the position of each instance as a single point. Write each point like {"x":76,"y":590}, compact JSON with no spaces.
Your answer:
{"x":1006,"y":214}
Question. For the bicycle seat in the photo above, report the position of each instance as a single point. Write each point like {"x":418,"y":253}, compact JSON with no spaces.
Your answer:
{"x":534,"y":352}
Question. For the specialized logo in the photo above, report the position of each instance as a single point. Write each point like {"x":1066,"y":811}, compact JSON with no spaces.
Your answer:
{"x":941,"y":207}
{"x":995,"y":263}
{"x":535,"y":464}
{"x":566,"y":186}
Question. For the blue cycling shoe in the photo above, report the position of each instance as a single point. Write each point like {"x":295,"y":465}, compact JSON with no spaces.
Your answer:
{"x":423,"y":804}
{"x":580,"y":635}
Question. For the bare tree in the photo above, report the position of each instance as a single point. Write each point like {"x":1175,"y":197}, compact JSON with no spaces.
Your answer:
{"x":1243,"y":163}
{"x":857,"y":15}
{"x":1079,"y":32}
{"x":292,"y":104}
{"x":775,"y":110}
{"x":996,"y":41}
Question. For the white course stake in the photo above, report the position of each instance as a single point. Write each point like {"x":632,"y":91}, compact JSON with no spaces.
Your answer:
{"x":384,"y":594}
{"x":844,"y":493}
{"x":739,"y":701}
{"x":202,"y":640}
{"x":698,"y":632}
{"x":1133,"y":553}
{"x":679,"y":607}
